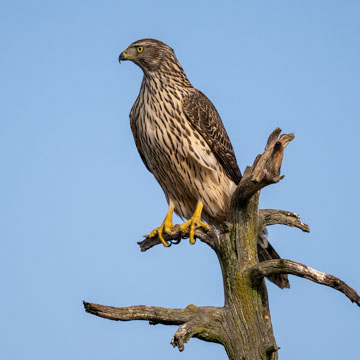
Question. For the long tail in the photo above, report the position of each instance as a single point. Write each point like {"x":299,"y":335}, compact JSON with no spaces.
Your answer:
{"x":267,"y":252}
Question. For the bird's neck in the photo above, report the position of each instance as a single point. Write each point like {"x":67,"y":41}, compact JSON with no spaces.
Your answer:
{"x":167,"y":75}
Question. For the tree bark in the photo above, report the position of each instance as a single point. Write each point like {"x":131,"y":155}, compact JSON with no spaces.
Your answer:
{"x":243,"y":325}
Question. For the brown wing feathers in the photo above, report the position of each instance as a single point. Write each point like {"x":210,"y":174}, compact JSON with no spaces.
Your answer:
{"x":204,"y":118}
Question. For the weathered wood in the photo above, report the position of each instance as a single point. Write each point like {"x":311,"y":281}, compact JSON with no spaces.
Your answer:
{"x":243,"y":325}
{"x":283,"y":266}
{"x":272,"y":217}
{"x":265,"y":169}
{"x":199,"y":322}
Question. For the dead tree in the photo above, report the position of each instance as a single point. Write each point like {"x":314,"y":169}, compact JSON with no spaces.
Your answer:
{"x":243,"y":325}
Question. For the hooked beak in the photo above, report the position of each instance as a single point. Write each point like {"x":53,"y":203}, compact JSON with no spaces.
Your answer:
{"x":124,"y":56}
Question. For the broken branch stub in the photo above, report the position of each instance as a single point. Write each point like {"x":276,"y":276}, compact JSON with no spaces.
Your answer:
{"x":265,"y":169}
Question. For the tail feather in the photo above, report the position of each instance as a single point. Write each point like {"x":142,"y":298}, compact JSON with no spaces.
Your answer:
{"x":267,"y":252}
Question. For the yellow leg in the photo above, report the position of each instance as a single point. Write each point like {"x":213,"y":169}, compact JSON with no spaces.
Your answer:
{"x":194,"y":223}
{"x":165,"y":227}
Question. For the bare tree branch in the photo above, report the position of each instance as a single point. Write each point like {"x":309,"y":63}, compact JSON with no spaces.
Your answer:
{"x":200,"y":322}
{"x":272,"y":217}
{"x":153,"y":314}
{"x":282,"y":266}
{"x":211,"y":238}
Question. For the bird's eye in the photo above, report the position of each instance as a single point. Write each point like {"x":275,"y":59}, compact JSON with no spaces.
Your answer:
{"x":139,"y":49}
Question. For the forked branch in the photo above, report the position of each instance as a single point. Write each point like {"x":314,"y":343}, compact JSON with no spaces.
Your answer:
{"x":282,"y":266}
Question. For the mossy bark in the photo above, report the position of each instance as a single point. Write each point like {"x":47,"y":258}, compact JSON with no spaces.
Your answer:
{"x":248,"y":332}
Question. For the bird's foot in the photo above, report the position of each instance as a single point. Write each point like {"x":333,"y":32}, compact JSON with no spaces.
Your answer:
{"x":194,"y":223}
{"x":164,"y":228}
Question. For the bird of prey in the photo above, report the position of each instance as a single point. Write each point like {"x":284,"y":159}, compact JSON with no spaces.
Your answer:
{"x":183,"y":143}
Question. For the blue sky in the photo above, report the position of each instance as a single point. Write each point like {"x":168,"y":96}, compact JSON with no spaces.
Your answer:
{"x":75,"y":197}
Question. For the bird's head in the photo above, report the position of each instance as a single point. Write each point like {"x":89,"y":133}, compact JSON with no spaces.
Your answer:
{"x":149,"y":54}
